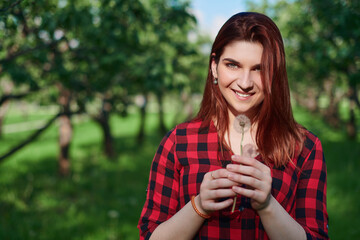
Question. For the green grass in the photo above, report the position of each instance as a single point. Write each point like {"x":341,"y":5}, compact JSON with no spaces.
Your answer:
{"x":102,"y":198}
{"x":343,"y":184}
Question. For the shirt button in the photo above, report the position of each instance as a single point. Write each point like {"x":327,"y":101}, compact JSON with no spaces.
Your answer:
{"x":241,"y":208}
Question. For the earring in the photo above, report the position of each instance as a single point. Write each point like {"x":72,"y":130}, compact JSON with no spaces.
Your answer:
{"x":215,"y":81}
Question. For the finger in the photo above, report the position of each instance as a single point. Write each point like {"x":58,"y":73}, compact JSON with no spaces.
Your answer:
{"x":220,"y":173}
{"x":245,"y":170}
{"x":215,"y":206}
{"x":221,"y":193}
{"x":250,"y":162}
{"x":255,"y":195}
{"x":244,"y":160}
{"x":247,"y":180}
{"x":221,"y":183}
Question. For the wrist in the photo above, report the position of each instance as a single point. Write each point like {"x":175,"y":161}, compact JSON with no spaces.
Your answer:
{"x":267,"y":206}
{"x":197,"y":206}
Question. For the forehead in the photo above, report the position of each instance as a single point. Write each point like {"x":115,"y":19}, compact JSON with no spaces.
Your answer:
{"x":243,"y":49}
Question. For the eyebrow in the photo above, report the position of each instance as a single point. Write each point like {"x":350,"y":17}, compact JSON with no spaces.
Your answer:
{"x":238,"y":63}
{"x":231,"y":60}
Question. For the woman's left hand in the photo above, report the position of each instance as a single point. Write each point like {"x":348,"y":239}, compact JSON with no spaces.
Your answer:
{"x":257,"y":178}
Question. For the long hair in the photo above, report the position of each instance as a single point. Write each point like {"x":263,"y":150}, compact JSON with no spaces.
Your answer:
{"x":278,"y":136}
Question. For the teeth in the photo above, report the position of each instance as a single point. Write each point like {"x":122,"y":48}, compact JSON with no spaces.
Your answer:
{"x":242,"y":95}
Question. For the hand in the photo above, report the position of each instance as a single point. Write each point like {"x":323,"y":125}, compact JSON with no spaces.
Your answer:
{"x":215,"y":186}
{"x":255,"y":175}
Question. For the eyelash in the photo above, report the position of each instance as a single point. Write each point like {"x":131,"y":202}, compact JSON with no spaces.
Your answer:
{"x":233,"y":65}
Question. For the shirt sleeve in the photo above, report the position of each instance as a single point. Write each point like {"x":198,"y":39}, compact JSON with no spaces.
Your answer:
{"x":311,"y":210}
{"x":163,"y":188}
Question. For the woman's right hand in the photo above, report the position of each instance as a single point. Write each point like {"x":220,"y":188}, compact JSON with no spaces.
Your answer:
{"x":215,"y":186}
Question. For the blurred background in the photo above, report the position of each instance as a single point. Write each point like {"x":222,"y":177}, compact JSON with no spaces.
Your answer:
{"x":88,"y":88}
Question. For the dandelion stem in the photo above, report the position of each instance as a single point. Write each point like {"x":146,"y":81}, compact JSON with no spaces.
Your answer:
{"x":241,"y":153}
{"x":242,"y":139}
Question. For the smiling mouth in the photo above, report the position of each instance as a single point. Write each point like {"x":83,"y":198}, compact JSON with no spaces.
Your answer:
{"x":243,"y":95}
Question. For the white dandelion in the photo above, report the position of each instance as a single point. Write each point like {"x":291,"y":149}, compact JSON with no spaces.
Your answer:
{"x":241,"y":124}
{"x":249,"y":150}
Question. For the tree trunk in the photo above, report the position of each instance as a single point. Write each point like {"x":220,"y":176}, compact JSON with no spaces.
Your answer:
{"x":104,"y":120}
{"x":351,"y":124}
{"x":108,"y":139}
{"x":331,"y":114}
{"x":310,"y":101}
{"x":3,"y":110}
{"x":65,"y":134}
{"x":7,"y":88}
{"x":65,"y":131}
{"x":142,"y":104}
{"x":162,"y":127}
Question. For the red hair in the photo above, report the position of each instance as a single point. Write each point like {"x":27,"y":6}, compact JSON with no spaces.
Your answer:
{"x":278,"y":136}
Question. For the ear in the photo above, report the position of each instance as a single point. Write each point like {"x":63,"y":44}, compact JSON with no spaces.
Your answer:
{"x":213,"y":66}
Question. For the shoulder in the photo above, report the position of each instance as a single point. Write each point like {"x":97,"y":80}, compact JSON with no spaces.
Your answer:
{"x":311,"y":140}
{"x":192,"y":127}
{"x":180,"y":136}
{"x":312,"y":149}
{"x":190,"y":132}
{"x":183,"y":129}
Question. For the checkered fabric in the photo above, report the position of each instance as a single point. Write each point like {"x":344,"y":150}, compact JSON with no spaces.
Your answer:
{"x":190,"y":150}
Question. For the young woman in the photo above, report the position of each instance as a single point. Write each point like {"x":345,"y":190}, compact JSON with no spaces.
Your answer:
{"x":205,"y":185}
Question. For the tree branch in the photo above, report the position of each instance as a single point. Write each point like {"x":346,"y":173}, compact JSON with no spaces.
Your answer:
{"x":26,"y":51}
{"x":12,"y":96}
{"x":33,"y":136}
{"x":11,"y":6}
{"x":29,"y":139}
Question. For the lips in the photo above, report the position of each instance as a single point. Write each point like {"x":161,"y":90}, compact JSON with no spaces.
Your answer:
{"x":243,"y":95}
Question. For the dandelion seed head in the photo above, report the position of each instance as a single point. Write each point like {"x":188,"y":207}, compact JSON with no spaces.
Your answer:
{"x":242,"y":123}
{"x":250,"y":151}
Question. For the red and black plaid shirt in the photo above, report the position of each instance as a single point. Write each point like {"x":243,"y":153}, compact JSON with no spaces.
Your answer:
{"x":189,"y":151}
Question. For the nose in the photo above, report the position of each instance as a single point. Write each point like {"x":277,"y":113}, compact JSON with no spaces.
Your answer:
{"x":244,"y":81}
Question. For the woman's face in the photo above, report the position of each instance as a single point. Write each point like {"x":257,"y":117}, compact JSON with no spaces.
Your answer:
{"x":238,"y":74}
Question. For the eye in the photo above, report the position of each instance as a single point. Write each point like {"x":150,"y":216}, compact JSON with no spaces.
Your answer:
{"x":257,"y":69}
{"x":231,"y":65}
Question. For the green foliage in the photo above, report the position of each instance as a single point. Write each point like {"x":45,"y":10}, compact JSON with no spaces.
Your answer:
{"x":103,"y":49}
{"x":95,"y":57}
{"x":322,"y":54}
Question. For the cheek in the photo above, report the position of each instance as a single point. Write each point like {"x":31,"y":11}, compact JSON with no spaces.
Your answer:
{"x":227,"y":77}
{"x":258,"y":82}
{"x":222,"y":88}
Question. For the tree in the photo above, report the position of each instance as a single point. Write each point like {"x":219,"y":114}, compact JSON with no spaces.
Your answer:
{"x":163,"y":61}
{"x":322,"y":55}
{"x":77,"y":53}
{"x":36,"y":57}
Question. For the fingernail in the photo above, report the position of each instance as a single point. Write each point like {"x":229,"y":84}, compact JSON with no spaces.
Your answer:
{"x":230,"y":166}
{"x":232,"y":157}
